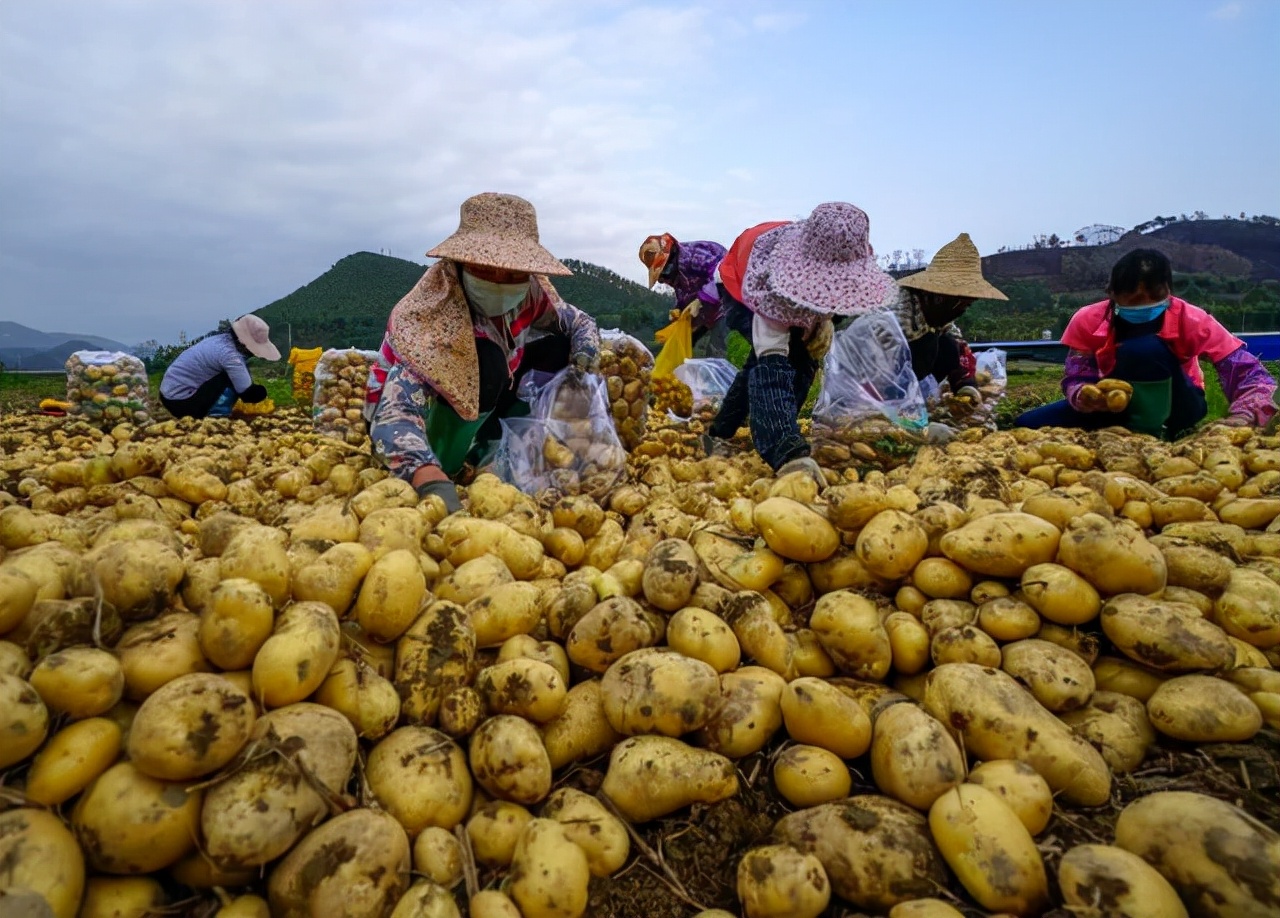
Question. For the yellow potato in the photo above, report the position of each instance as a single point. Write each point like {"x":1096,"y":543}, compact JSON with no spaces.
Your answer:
{"x":600,"y":834}
{"x":235,"y":622}
{"x":795,"y":531}
{"x":1167,"y":636}
{"x":1203,"y":709}
{"x":139,"y":578}
{"x":942,"y":578}
{"x":1116,"y":674}
{"x":701,"y":635}
{"x":1102,"y":877}
{"x":361,"y":695}
{"x":505,"y":611}
{"x":1059,"y":680}
{"x":1249,"y":608}
{"x":748,"y":714}
{"x":509,"y":760}
{"x":129,"y":823}
{"x":1019,"y":786}
{"x":529,"y":688}
{"x":810,"y":775}
{"x":779,"y":881}
{"x":659,"y":690}
{"x":111,"y":897}
{"x":295,"y":660}
{"x":908,"y":642}
{"x":190,"y":727}
{"x":964,"y":644}
{"x":41,"y":857}
{"x":817,"y":713}
{"x":420,"y":777}
{"x":433,"y":658}
{"x":24,"y":720}
{"x":1002,"y":544}
{"x":79,"y":681}
{"x":391,"y":595}
{"x":334,"y":577}
{"x":670,"y":574}
{"x":1007,"y":618}
{"x":1059,"y":594}
{"x":494,"y":829}
{"x":913,"y":758}
{"x":437,"y":855}
{"x":612,"y":629}
{"x":72,"y":759}
{"x":549,"y":873}
{"x":582,"y":730}
{"x":849,"y":627}
{"x":1114,"y":558}
{"x":891,"y":544}
{"x":258,"y":553}
{"x":652,"y":776}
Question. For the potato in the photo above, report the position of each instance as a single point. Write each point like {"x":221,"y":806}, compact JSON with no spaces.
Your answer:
{"x":1002,"y":544}
{"x":670,"y":574}
{"x":193,"y":484}
{"x":362,"y":696}
{"x":600,"y":834}
{"x":1007,"y":618}
{"x":1019,"y":786}
{"x":14,"y":660}
{"x":1062,"y":505}
{"x":41,"y":857}
{"x":1059,"y":594}
{"x":1059,"y":680}
{"x":891,"y":544}
{"x":265,"y":804}
{"x":334,"y":577}
{"x":467,"y":538}
{"x":117,"y":897}
{"x":72,"y":759}
{"x":1196,"y":567}
{"x":330,"y":523}
{"x":1114,"y":558}
{"x":876,"y":852}
{"x":844,"y":570}
{"x":489,"y":903}
{"x":990,"y":850}
{"x":494,"y":829}
{"x":701,"y":635}
{"x":924,"y":908}
{"x":659,"y":690}
{"x":505,"y":611}
{"x":819,"y":714}
{"x":779,"y":881}
{"x":913,"y":758}
{"x":139,"y":578}
{"x":384,"y":494}
{"x":810,"y":775}
{"x":612,"y":629}
{"x":549,"y":873}
{"x":437,"y":855}
{"x":1116,"y":674}
{"x":566,"y":545}
{"x":794,"y":531}
{"x":998,"y":719}
{"x":433,"y":658}
{"x":129,"y":823}
{"x":425,"y":899}
{"x":356,"y":864}
{"x":1203,"y":709}
{"x":964,"y":644}
{"x":1117,"y":726}
{"x":197,"y":871}
{"x":1113,"y":881}
{"x":1220,"y":860}
{"x":582,"y":730}
{"x":908,"y":642}
{"x":509,"y":761}
{"x":17,"y":595}
{"x":1250,"y":513}
{"x":295,"y":660}
{"x":190,"y":727}
{"x":755,"y":623}
{"x":420,"y":777}
{"x":391,"y":595}
{"x":1167,"y":636}
{"x":235,"y":623}
{"x":748,"y":715}
{"x":528,"y":688}
{"x":24,"y":720}
{"x":258,"y":553}
{"x":79,"y":681}
{"x":1249,"y":608}
{"x":849,"y":627}
{"x":652,"y":776}
{"x":942,"y":578}
{"x":523,"y":646}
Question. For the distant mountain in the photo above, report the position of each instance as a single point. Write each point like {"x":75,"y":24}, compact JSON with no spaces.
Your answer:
{"x":349,"y":304}
{"x":26,"y":348}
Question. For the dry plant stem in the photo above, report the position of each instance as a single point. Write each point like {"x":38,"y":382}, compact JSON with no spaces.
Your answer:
{"x":470,"y":876}
{"x":667,"y":877}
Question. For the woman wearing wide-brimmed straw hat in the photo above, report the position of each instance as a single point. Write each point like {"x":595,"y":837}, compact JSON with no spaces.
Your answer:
{"x":215,"y":367}
{"x":459,"y":342}
{"x":690,"y":269}
{"x":784,"y":283}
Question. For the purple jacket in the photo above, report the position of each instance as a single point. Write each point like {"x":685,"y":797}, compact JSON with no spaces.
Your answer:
{"x":696,"y":266}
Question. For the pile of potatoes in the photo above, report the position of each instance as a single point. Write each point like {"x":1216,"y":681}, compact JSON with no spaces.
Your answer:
{"x":625,"y":364}
{"x":247,"y":670}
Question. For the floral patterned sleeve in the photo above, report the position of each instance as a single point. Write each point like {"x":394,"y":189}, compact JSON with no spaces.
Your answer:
{"x":398,"y":429}
{"x":1247,"y":385}
{"x":581,"y":329}
{"x":1081,"y":369}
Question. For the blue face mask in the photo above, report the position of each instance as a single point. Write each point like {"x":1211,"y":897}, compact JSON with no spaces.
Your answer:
{"x":1136,"y":315}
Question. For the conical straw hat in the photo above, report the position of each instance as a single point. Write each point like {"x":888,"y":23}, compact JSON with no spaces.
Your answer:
{"x":955,"y":271}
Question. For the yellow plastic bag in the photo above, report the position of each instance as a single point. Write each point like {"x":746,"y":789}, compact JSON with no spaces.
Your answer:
{"x":304,"y":363}
{"x":677,"y":346}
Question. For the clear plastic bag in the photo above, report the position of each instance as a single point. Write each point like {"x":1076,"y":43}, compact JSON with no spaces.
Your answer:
{"x":108,"y":387}
{"x":338,"y":408}
{"x":961,"y":411}
{"x":992,"y":374}
{"x":868,"y":374}
{"x":708,"y":379}
{"x":626,"y":366}
{"x":568,"y":444}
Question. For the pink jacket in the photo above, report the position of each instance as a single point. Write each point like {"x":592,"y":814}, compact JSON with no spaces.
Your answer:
{"x":1190,"y":332}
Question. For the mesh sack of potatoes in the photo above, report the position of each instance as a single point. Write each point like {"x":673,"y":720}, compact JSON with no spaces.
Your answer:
{"x":338,"y":408}
{"x":626,"y":364}
{"x":868,"y":388}
{"x":568,"y":444}
{"x":962,"y":411}
{"x":303,"y":361}
{"x":107,"y":387}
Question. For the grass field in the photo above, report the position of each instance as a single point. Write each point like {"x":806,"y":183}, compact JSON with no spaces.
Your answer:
{"x":23,"y":392}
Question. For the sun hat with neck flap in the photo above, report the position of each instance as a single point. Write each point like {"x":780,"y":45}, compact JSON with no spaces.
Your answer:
{"x":955,"y":271}
{"x":821,"y":265}
{"x":254,"y":333}
{"x":654,"y":253}
{"x":431,"y":329}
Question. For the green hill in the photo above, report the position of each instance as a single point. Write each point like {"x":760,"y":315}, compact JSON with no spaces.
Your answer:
{"x":348,"y":305}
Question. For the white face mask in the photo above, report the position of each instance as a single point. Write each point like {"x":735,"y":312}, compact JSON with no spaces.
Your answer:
{"x":490,"y":299}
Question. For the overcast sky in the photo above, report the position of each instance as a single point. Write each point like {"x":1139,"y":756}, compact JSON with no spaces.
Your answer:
{"x":166,"y":163}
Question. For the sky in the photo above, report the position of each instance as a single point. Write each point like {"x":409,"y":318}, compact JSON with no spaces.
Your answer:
{"x":167,"y":163}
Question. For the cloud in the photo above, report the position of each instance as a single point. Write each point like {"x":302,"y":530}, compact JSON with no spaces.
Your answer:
{"x":1228,"y":10}
{"x":777,"y":22}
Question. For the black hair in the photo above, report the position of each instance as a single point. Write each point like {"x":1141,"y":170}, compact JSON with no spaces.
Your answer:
{"x":1146,"y":269}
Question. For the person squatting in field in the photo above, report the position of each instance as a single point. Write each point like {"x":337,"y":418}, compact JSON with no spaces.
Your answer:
{"x":216,"y":367}
{"x":1134,"y":360}
{"x":458,"y":344}
{"x":691,"y":269}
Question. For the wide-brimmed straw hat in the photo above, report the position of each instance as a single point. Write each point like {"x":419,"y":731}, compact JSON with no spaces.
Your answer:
{"x":654,"y":253}
{"x":955,"y":271}
{"x":499,"y":231}
{"x":255,"y":335}
{"x":824,"y":263}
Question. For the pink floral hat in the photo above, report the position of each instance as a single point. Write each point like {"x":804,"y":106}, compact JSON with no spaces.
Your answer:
{"x":822,"y":264}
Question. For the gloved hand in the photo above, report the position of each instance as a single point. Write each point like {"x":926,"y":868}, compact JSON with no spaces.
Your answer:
{"x":971,"y":393}
{"x":804,"y":464}
{"x":1091,"y":399}
{"x":1237,"y":420}
{"x":692,"y":310}
{"x":585,"y":361}
{"x":819,"y":340}
{"x":938,"y":434}
{"x":447,"y":491}
{"x":253,"y":394}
